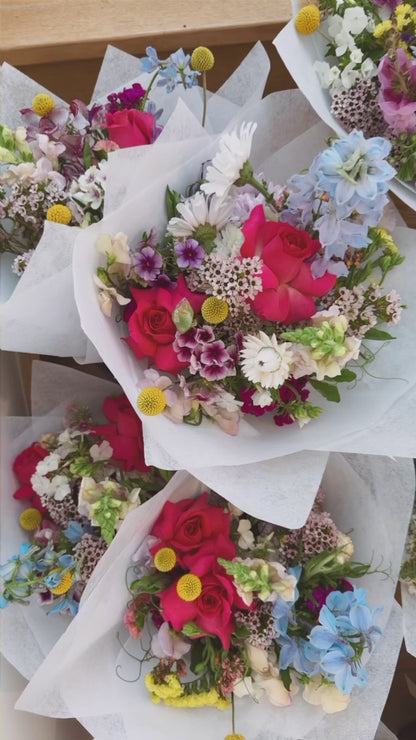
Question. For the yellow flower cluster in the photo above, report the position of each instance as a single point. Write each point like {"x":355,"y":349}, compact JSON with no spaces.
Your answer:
{"x":307,"y":20}
{"x":214,"y":310}
{"x":234,"y":737}
{"x":171,"y":688}
{"x":404,"y":15}
{"x":64,"y":585}
{"x":387,"y":241}
{"x":30,"y":519}
{"x":382,"y":28}
{"x":42,"y":104}
{"x":209,"y":698}
{"x":59,"y":213}
{"x":151,"y":401}
{"x":165,"y":559}
{"x":202,"y":59}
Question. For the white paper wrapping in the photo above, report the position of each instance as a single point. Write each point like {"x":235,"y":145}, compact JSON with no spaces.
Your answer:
{"x":409,"y":619}
{"x":37,"y":311}
{"x":376,"y":401}
{"x":78,"y":678}
{"x":27,"y":633}
{"x":299,"y":53}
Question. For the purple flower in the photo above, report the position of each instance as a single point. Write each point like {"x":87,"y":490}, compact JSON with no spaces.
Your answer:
{"x":130,"y":97}
{"x":205,"y":334}
{"x":190,"y":253}
{"x":214,"y":353}
{"x":147,"y":263}
{"x":391,"y":4}
{"x":398,"y":105}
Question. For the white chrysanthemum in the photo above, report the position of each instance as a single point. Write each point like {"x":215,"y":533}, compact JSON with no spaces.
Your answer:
{"x":234,"y":151}
{"x":265,"y":361}
{"x":199,"y":211}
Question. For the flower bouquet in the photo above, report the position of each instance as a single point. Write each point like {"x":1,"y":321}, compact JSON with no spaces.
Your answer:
{"x":254,"y":594}
{"x":75,"y":488}
{"x":54,"y":172}
{"x":354,"y":63}
{"x":408,"y":587}
{"x":247,"y":301}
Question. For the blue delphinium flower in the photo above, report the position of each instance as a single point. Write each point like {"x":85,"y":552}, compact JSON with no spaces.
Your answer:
{"x":74,"y":531}
{"x":66,"y":604}
{"x":282,"y":610}
{"x":342,"y":663}
{"x":150,"y":62}
{"x":298,"y":653}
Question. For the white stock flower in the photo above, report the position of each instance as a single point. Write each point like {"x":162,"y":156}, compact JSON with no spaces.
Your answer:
{"x":116,"y":248}
{"x":326,"y":74}
{"x":199,"y":211}
{"x":102,"y":451}
{"x":60,"y":487}
{"x":229,"y":241}
{"x":345,"y":542}
{"x":355,"y":20}
{"x":233,"y":152}
{"x":107,"y":295}
{"x":265,"y":361}
{"x":349,"y":76}
{"x":368,"y":69}
{"x":325,"y":695}
{"x":49,"y":463}
{"x":246,"y":540}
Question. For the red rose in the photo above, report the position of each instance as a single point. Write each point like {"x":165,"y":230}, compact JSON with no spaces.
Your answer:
{"x":212,"y":610}
{"x":25,"y":463}
{"x":288,"y":285}
{"x":130,"y":127}
{"x":151,"y":328}
{"x":190,"y":524}
{"x":124,"y":433}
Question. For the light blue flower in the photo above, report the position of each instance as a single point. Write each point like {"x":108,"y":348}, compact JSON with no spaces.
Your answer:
{"x":67,"y":604}
{"x":341,"y":663}
{"x":7,"y":569}
{"x":67,"y":561}
{"x":74,"y":531}
{"x":167,"y":78}
{"x":150,"y":62}
{"x":363,"y":619}
{"x":298,"y":653}
{"x":3,"y":602}
{"x":53,"y":579}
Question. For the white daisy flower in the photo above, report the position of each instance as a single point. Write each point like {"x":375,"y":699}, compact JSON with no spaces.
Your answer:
{"x":199,"y":211}
{"x":234,"y":151}
{"x":265,"y":361}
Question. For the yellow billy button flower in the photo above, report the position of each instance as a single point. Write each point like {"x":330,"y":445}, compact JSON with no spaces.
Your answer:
{"x":307,"y":20}
{"x":42,"y":104}
{"x":214,"y":310}
{"x":189,"y":587}
{"x":234,"y":737}
{"x":59,"y":213}
{"x":30,"y":519}
{"x":64,"y":585}
{"x":202,"y":59}
{"x":151,"y":401}
{"x":165,"y":559}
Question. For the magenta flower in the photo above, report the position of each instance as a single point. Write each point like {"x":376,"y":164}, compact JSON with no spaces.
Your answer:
{"x":190,"y":253}
{"x":147,"y":263}
{"x":214,"y":353}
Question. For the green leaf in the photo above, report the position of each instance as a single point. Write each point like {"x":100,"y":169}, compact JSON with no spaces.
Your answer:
{"x":87,"y":155}
{"x":346,"y":376}
{"x":286,"y":678}
{"x":327,"y":390}
{"x":151,"y":584}
{"x":191,"y":629}
{"x":172,"y":200}
{"x":197,"y":664}
{"x":378,"y":335}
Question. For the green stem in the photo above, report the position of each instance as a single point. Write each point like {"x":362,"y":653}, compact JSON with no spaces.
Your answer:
{"x":144,"y":100}
{"x":325,"y":35}
{"x":232,"y":714}
{"x":204,"y":90}
{"x":263,"y":190}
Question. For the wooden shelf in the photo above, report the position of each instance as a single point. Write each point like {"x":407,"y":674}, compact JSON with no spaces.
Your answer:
{"x":38,"y":31}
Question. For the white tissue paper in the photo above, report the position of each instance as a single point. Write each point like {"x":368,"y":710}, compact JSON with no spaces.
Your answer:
{"x":299,"y":53}
{"x":367,"y":496}
{"x":27,"y":633}
{"x":288,"y":135}
{"x":37,"y":311}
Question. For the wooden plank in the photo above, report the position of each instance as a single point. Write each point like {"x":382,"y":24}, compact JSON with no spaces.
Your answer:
{"x":38,"y":31}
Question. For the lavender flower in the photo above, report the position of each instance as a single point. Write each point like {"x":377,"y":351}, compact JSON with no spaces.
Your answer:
{"x":190,"y":253}
{"x":147,"y":263}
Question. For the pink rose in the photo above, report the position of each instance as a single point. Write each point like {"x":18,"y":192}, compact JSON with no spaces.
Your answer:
{"x":130,"y":127}
{"x":288,"y":285}
{"x":151,"y":328}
